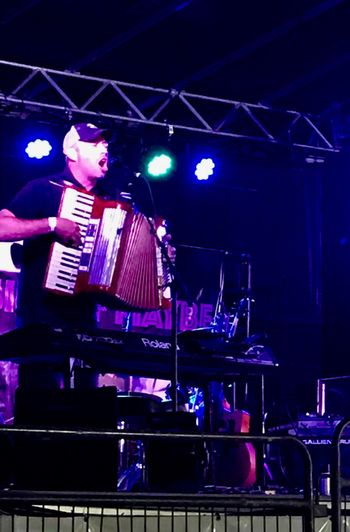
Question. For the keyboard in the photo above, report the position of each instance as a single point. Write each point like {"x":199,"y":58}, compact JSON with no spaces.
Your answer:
{"x":134,"y":353}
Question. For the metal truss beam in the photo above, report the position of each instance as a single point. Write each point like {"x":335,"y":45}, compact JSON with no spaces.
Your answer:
{"x":78,"y":96}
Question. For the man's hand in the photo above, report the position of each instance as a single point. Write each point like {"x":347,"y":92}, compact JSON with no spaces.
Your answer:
{"x":171,"y":250}
{"x":172,"y":253}
{"x":68,"y":232}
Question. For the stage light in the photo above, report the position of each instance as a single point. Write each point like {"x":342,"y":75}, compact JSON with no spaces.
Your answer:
{"x":312,"y":159}
{"x":159,"y":164}
{"x":204,"y":169}
{"x":38,"y":149}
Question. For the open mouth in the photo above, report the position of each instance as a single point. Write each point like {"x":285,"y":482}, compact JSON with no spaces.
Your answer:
{"x":103,"y":162}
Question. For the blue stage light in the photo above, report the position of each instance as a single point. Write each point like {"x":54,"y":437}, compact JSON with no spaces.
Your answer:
{"x":204,"y":169}
{"x":38,"y":149}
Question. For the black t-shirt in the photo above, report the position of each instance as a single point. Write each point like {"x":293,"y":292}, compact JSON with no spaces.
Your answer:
{"x":40,"y":199}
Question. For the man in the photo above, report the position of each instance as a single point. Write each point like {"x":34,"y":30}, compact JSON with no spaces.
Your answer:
{"x":32,"y":216}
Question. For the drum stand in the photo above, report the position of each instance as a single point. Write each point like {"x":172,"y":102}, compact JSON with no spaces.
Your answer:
{"x":131,"y":462}
{"x":229,"y":325}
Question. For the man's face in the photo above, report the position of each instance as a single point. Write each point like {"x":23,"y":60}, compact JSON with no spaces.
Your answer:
{"x":92,"y":157}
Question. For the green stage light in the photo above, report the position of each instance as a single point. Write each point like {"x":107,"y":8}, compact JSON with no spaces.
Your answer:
{"x":159,"y":164}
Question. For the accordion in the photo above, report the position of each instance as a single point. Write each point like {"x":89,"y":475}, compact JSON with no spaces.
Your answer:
{"x":119,"y":259}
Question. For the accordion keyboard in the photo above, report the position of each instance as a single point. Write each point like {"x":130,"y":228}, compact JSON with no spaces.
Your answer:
{"x":119,"y":259}
{"x":64,"y":264}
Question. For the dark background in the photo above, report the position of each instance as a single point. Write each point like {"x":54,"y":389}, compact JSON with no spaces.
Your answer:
{"x":292,"y":55}
{"x":290,"y":216}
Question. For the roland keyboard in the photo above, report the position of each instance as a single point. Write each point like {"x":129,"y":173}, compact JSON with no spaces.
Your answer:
{"x":133,"y":353}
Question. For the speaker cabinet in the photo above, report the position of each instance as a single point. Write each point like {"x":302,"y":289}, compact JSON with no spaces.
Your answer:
{"x":285,"y":461}
{"x":174,"y":465}
{"x":51,"y":462}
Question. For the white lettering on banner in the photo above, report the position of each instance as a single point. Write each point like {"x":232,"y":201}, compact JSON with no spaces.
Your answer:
{"x":136,"y":319}
{"x":152,"y":319}
{"x":205,"y":314}
{"x":167,"y":319}
{"x":199,"y":315}
{"x":189,"y":317}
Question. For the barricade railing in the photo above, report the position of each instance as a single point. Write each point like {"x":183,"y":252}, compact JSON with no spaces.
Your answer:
{"x":338,"y":482}
{"x":241,"y":505}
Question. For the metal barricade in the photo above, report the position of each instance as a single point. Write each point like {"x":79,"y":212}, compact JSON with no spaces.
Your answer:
{"x":338,"y":482}
{"x":192,"y":509}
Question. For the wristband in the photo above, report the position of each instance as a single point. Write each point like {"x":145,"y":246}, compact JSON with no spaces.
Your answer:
{"x":52,"y":220}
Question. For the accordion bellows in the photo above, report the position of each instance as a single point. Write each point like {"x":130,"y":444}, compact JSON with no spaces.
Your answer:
{"x":119,"y":258}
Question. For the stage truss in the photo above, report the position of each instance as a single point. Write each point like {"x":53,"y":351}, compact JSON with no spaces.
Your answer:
{"x":27,"y":90}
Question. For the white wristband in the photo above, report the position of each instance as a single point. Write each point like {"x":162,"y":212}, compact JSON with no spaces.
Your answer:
{"x":52,"y":220}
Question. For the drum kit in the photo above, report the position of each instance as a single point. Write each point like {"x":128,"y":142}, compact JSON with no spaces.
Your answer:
{"x":140,"y":401}
{"x":142,"y":398}
{"x":134,"y":410}
{"x":139,"y":465}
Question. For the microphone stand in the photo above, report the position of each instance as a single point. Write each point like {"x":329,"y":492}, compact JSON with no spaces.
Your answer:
{"x":175,"y":283}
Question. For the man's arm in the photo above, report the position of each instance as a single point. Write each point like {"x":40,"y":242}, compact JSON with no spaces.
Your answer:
{"x":12,"y":228}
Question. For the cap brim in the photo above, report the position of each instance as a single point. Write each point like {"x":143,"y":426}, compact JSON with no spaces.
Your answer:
{"x":105,"y":133}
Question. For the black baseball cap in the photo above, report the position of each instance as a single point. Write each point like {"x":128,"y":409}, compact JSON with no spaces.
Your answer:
{"x":85,"y":132}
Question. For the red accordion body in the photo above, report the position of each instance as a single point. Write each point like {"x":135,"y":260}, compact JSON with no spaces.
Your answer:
{"x":119,"y":258}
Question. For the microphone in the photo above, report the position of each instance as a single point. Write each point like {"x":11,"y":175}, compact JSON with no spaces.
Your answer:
{"x":114,"y":161}
{"x":141,"y":194}
{"x":134,"y":178}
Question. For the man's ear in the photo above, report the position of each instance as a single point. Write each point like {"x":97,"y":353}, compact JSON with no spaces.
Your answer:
{"x":71,"y":153}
